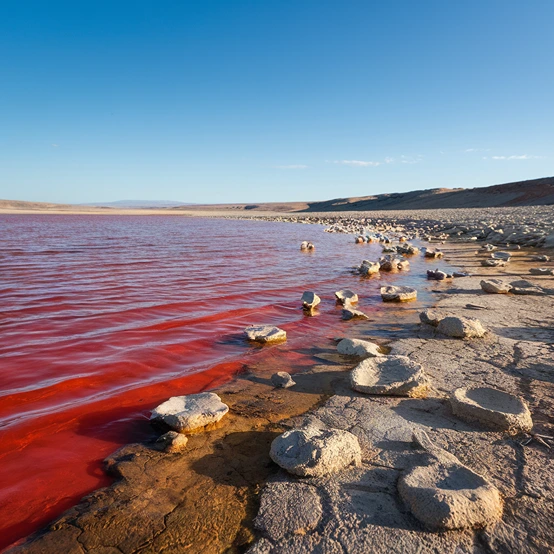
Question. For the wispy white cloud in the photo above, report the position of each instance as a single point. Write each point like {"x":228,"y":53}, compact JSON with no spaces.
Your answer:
{"x":357,"y":163}
{"x":293,"y":166}
{"x":411,"y":159}
{"x":54,"y":145}
{"x":518,"y":157}
{"x":477,"y":150}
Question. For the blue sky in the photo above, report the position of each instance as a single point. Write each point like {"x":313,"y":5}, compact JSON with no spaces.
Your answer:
{"x":251,"y":101}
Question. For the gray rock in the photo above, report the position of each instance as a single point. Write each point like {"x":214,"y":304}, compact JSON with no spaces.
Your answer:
{"x":389,"y":375}
{"x":523,"y":287}
{"x":430,"y":317}
{"x":288,"y":509}
{"x":369,"y":268}
{"x":357,"y":347}
{"x":346,"y":296}
{"x":315,"y":452}
{"x":541,"y":258}
{"x":493,"y":263}
{"x":191,"y":412}
{"x":350,"y":313}
{"x":310,"y":300}
{"x":398,"y":294}
{"x":461,"y":327}
{"x":265,"y":333}
{"x":496,"y":286}
{"x":445,"y":494}
{"x":506,"y":256}
{"x":492,"y":407}
{"x":542,"y":271}
{"x":172,"y":442}
{"x":433,"y":253}
{"x":282,"y":380}
{"x":437,"y":275}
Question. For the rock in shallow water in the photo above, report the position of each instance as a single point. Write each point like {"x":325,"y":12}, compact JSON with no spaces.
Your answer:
{"x":351,"y":313}
{"x":389,"y":375}
{"x":398,"y":294}
{"x":265,"y":333}
{"x":493,"y":408}
{"x":314,"y":452}
{"x":310,"y":300}
{"x":191,"y":412}
{"x":346,"y":296}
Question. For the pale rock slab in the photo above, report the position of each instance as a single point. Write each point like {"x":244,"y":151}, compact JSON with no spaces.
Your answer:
{"x":506,"y":256}
{"x":398,"y":294}
{"x":191,"y":412}
{"x":461,"y":327}
{"x":389,"y":375}
{"x":445,"y":494}
{"x":523,"y":287}
{"x":288,"y":509}
{"x":493,"y":263}
{"x":314,"y":452}
{"x":350,"y":313}
{"x":495,"y":286}
{"x":430,"y":317}
{"x":346,"y":296}
{"x":358,"y":347}
{"x":265,"y":333}
{"x":369,"y":268}
{"x":493,"y":408}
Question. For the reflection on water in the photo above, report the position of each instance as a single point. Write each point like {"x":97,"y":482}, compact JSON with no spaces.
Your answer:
{"x":102,"y":317}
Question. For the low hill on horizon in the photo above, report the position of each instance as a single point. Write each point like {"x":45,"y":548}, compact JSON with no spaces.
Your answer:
{"x":534,"y":192}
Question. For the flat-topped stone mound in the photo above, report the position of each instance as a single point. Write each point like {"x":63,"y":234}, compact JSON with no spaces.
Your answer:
{"x":358,"y":347}
{"x":450,"y":496}
{"x":461,"y":327}
{"x":433,"y":253}
{"x":493,"y":263}
{"x":542,"y":271}
{"x":189,"y":413}
{"x":346,"y":296}
{"x":495,"y":286}
{"x":506,"y":256}
{"x":389,"y":375}
{"x":445,"y":494}
{"x":493,"y":408}
{"x":393,"y":262}
{"x":369,"y":268}
{"x":398,"y":294}
{"x":315,"y":452}
{"x":351,"y":313}
{"x":523,"y":287}
{"x":265,"y":333}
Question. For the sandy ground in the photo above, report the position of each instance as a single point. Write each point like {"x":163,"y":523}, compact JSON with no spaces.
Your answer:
{"x":206,"y":499}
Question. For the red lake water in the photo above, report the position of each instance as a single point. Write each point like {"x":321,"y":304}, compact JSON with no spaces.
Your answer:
{"x":104,"y":317}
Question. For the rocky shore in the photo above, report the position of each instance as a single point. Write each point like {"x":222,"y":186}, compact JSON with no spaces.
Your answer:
{"x":531,"y":226}
{"x":414,"y":446}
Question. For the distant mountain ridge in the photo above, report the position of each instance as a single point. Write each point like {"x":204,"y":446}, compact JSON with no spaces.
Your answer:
{"x":136,"y":204}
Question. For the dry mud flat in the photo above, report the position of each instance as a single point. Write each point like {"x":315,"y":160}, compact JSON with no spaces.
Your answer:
{"x":224,"y":494}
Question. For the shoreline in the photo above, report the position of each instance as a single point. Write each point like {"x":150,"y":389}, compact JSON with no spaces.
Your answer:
{"x":206,"y":498}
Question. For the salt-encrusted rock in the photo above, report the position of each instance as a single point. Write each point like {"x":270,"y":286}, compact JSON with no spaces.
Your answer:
{"x":314,"y":452}
{"x":191,"y":412}
{"x":437,"y":275}
{"x":445,"y":494}
{"x":351,"y":313}
{"x":172,"y":442}
{"x":407,"y":249}
{"x":430,"y":317}
{"x":346,"y":296}
{"x":488,"y":247}
{"x":542,"y":271}
{"x":310,"y":300}
{"x":493,"y":408}
{"x":540,"y":258}
{"x":493,"y":263}
{"x":369,"y":268}
{"x":495,"y":286}
{"x":433,"y":253}
{"x":359,"y":240}
{"x":461,"y":327}
{"x":288,"y":509}
{"x":389,"y":375}
{"x":306,"y":246}
{"x":398,"y":294}
{"x":458,"y":274}
{"x":524,"y":287}
{"x":393,"y":263}
{"x":506,"y":256}
{"x":265,"y":333}
{"x":357,"y":347}
{"x":282,"y":380}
